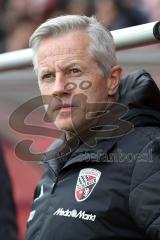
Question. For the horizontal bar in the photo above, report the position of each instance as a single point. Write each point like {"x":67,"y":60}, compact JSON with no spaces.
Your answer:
{"x":16,"y":59}
{"x":137,"y":36}
{"x":141,"y":35}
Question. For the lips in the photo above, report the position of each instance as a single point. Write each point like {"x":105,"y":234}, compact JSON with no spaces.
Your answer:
{"x":56,"y":104}
{"x":65,"y":105}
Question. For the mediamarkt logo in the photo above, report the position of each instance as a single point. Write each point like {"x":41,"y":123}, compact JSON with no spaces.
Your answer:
{"x":74,"y":214}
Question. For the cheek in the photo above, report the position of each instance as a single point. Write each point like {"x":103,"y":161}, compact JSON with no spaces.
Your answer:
{"x":98,"y":90}
{"x":45,"y":89}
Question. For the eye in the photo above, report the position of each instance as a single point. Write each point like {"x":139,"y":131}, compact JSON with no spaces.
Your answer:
{"x":75,"y":72}
{"x":48,"y":76}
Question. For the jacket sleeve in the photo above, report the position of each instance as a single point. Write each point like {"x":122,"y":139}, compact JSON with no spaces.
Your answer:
{"x":144,"y":200}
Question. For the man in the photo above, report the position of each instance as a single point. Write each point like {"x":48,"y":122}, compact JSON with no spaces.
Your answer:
{"x":103,"y":173}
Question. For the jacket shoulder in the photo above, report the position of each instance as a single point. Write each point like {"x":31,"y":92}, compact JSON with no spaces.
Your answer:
{"x":144,"y":200}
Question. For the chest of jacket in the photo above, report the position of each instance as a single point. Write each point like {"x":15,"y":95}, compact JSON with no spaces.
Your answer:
{"x":90,"y":199}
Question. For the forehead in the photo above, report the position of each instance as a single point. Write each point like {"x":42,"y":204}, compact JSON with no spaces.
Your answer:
{"x":70,"y":45}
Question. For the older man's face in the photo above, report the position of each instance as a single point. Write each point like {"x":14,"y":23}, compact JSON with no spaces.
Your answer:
{"x":68,"y":74}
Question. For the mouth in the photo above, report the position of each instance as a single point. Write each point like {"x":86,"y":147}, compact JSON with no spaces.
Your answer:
{"x":63,"y":106}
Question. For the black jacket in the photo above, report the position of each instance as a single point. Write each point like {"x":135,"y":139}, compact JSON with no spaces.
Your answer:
{"x":111,"y":190}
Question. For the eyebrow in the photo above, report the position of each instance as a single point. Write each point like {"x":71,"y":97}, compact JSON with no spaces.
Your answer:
{"x":63,"y":68}
{"x":71,"y":64}
{"x":43,"y":72}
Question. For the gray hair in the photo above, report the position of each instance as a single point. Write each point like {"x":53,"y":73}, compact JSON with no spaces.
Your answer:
{"x":101,"y":48}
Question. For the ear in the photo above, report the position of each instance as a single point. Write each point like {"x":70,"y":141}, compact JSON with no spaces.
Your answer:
{"x":113,"y":80}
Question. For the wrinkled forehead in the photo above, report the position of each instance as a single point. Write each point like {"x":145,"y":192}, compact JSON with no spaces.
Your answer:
{"x":73,"y":43}
{"x":60,"y":54}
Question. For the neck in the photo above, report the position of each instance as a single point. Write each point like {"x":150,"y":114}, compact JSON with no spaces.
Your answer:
{"x":69,"y":135}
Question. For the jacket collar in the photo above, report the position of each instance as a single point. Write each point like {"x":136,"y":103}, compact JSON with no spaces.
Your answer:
{"x":85,"y":153}
{"x":62,"y":153}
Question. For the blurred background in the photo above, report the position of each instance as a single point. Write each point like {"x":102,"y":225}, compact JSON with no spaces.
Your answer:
{"x":18,"y":19}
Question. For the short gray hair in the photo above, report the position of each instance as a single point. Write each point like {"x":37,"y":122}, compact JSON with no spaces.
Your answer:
{"x":102,"y":47}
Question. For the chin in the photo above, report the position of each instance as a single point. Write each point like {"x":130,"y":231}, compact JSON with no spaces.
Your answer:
{"x":64,"y":126}
{"x":69,"y":124}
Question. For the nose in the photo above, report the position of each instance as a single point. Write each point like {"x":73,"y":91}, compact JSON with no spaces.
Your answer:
{"x":59,"y":85}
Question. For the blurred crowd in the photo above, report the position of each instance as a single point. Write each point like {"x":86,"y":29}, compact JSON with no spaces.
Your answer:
{"x":19,"y":18}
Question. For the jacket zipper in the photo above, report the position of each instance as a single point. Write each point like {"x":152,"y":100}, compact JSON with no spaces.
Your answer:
{"x":55,"y":177}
